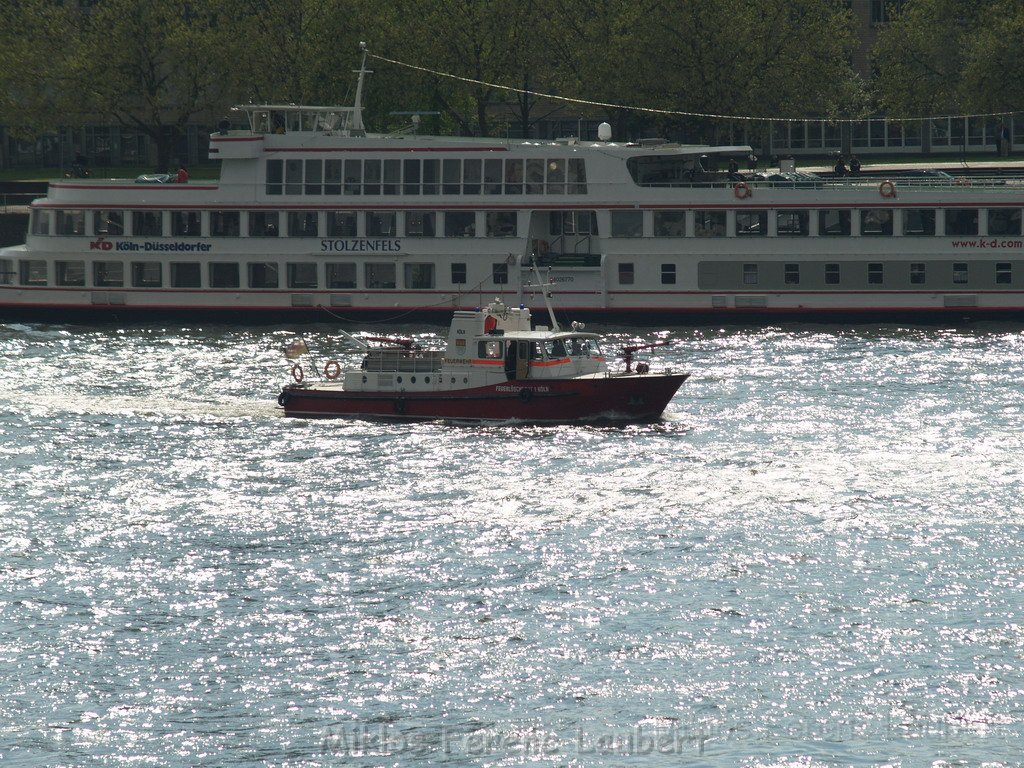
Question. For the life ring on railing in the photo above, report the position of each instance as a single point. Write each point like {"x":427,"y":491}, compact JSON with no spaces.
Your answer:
{"x":332,"y":370}
{"x":297,"y":373}
{"x":887,"y":189}
{"x":742,"y":190}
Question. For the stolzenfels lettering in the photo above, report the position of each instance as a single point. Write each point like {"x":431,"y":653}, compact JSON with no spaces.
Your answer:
{"x":360,"y":245}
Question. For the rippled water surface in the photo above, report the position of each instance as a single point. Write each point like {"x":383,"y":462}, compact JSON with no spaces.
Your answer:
{"x":815,"y":559}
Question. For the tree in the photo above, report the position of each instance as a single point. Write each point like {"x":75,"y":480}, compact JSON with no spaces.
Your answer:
{"x":993,"y":69}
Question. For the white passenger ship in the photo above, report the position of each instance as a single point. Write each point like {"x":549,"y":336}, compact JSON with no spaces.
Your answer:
{"x":314,"y":219}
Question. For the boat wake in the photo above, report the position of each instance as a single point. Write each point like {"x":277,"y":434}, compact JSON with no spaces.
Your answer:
{"x":236,"y":408}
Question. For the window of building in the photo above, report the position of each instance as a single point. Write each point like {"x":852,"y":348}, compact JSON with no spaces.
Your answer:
{"x":224,"y":275}
{"x":876,"y":221}
{"x":186,"y":274}
{"x":225,"y":223}
{"x":668,"y":274}
{"x":380,"y":275}
{"x":40,"y":222}
{"x":262,"y":274}
{"x":303,"y":224}
{"x":341,"y":274}
{"x":420,"y":223}
{"x":108,"y":274}
{"x":960,"y":272}
{"x":70,"y":222}
{"x":501,"y":223}
{"x":459,"y":223}
{"x":709,"y":223}
{"x":751,"y":223}
{"x":70,"y":273}
{"x":791,"y":274}
{"x":301,"y":274}
{"x":918,"y":221}
{"x":961,"y":221}
{"x":669,"y":223}
{"x":831,"y":274}
{"x":264,"y":223}
{"x":499,"y":273}
{"x":146,"y":274}
{"x":833,"y":222}
{"x":1003,"y":274}
{"x":875,"y":274}
{"x":110,"y":223}
{"x":750,"y":274}
{"x":627,"y":223}
{"x":419,"y":277}
{"x":626,"y":273}
{"x":341,"y":224}
{"x":275,"y":176}
{"x":1004,"y":221}
{"x":917,"y":273}
{"x":793,"y":223}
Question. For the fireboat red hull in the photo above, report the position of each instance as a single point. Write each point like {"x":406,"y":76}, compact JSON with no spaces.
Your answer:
{"x":641,"y":397}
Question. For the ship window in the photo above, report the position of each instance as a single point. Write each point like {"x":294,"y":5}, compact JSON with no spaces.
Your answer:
{"x":302,"y":274}
{"x":419,"y":276}
{"x":917,"y":274}
{"x":341,"y":224}
{"x":452,"y":183}
{"x":420,"y":223}
{"x":1003,"y":274}
{"x":492,"y":177}
{"x":534,"y":177}
{"x":876,"y":221}
{"x":411,"y":170}
{"x":791,"y":274}
{"x":108,"y":274}
{"x":224,"y":275}
{"x":262,"y":274}
{"x":380,"y":223}
{"x":709,"y":223}
{"x":668,"y":274}
{"x":263,"y":223}
{"x":293,"y":177}
{"x":185,"y":223}
{"x":459,"y":273}
{"x":875,"y":274}
{"x":431,"y":176}
{"x":670,"y":223}
{"x":314,"y":175}
{"x":918,"y":221}
{"x":750,"y":274}
{"x":353,"y":177}
{"x":793,"y":223}
{"x":31,"y":272}
{"x":577,"y":176}
{"x":460,"y":224}
{"x":147,"y":223}
{"x":501,"y":223}
{"x":275,"y":176}
{"x":499,"y":273}
{"x":471,"y":174}
{"x":513,"y":177}
{"x":186,"y":274}
{"x":341,"y":274}
{"x":303,"y":224}
{"x":70,"y":222}
{"x":392,"y":177}
{"x":332,"y":177}
{"x":1004,"y":221}
{"x":6,"y":272}
{"x":627,"y":223}
{"x":831,"y":274}
{"x":108,"y":222}
{"x":371,"y":177}
{"x":962,"y":221}
{"x":556,"y":177}
{"x":751,"y":223}
{"x":626,"y":273}
{"x":40,"y":222}
{"x":70,"y":273}
{"x":225,"y":223}
{"x":833,"y":222}
{"x":146,"y":274}
{"x":960,"y":272}
{"x":380,"y":275}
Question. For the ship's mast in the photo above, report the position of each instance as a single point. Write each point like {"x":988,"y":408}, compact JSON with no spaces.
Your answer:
{"x":357,"y":112}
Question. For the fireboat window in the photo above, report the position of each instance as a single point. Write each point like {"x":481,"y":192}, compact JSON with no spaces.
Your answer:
{"x":302,"y":274}
{"x":70,"y":273}
{"x":146,"y":274}
{"x":491,"y":349}
{"x":555,"y":350}
{"x":183,"y":223}
{"x":303,"y":224}
{"x":225,"y":223}
{"x":263,"y":223}
{"x":380,"y":275}
{"x":341,"y":274}
{"x":709,"y":223}
{"x":420,"y":223}
{"x":627,"y":223}
{"x":147,"y":223}
{"x":186,"y":274}
{"x":341,"y":224}
{"x":501,"y":223}
{"x":381,"y":223}
{"x":70,"y":222}
{"x":670,"y":223}
{"x":108,"y":274}
{"x":224,"y":275}
{"x":262,"y":274}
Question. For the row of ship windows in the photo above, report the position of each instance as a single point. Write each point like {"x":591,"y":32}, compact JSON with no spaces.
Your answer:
{"x":623,"y":223}
{"x":502,"y":176}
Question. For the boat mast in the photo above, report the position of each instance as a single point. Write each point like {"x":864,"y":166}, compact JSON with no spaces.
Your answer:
{"x":546,"y":294}
{"x":357,"y":112}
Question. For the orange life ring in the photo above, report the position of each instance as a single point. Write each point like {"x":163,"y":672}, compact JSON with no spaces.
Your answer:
{"x":742,"y":190}
{"x":332,"y":370}
{"x":297,"y":373}
{"x":887,"y":189}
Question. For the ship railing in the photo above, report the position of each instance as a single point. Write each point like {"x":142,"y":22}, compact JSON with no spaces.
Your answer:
{"x":400,"y":360}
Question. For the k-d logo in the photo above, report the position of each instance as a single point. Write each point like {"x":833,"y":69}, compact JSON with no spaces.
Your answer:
{"x":100,"y":245}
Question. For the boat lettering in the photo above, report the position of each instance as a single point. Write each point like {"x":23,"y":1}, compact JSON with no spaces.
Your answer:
{"x":129,"y":246}
{"x":361,"y":246}
{"x":506,"y":388}
{"x":100,"y":245}
{"x":562,"y":279}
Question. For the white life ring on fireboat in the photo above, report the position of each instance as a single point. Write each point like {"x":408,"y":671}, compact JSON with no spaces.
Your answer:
{"x":297,"y":373}
{"x":742,"y":190}
{"x":887,"y":189}
{"x":332,"y":370}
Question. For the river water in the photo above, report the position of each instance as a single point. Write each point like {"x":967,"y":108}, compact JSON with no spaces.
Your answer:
{"x":815,"y":559}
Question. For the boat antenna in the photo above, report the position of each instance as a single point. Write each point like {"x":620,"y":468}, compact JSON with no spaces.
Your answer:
{"x":357,"y":112}
{"x":546,"y":293}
